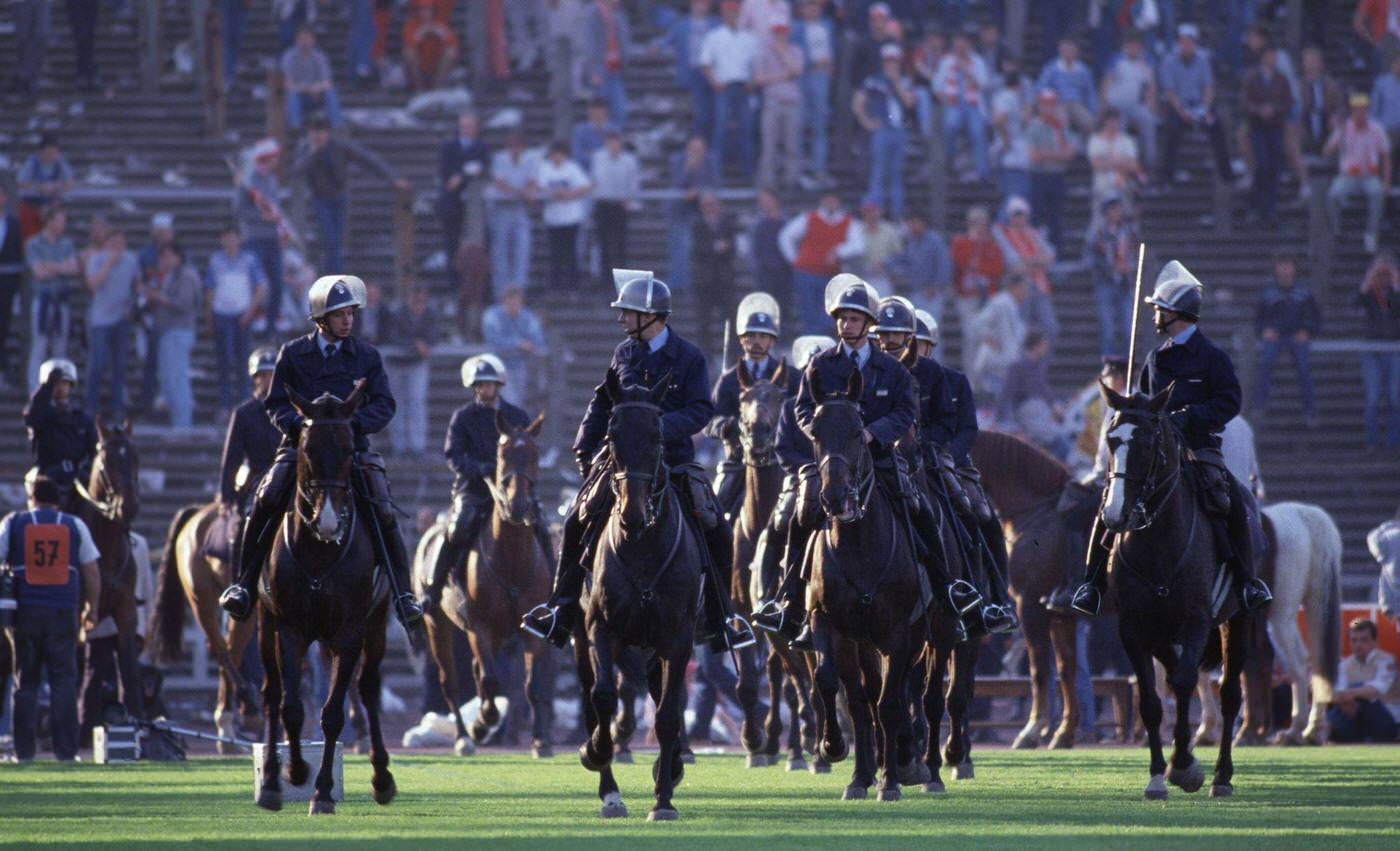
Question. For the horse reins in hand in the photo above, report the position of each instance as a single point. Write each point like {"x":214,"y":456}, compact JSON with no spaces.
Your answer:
{"x":1140,"y":509}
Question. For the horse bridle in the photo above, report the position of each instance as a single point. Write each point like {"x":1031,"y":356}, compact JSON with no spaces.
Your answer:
{"x":112,"y":508}
{"x":502,"y":504}
{"x":347,"y":507}
{"x":651,"y":508}
{"x":859,"y":490}
{"x":1151,"y":487}
{"x":766,"y":458}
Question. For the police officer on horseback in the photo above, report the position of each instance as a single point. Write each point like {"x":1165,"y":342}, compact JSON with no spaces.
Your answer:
{"x":652,"y":350}
{"x":328,"y":360}
{"x":1205,"y":395}
{"x":62,"y":436}
{"x":758,"y":323}
{"x":471,"y":453}
{"x":250,"y":444}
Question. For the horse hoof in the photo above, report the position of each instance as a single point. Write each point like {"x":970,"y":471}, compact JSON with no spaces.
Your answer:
{"x":890,"y":794}
{"x":820,"y":765}
{"x":964,"y":771}
{"x":1248,"y":739}
{"x":270,"y":799}
{"x":909,"y":774}
{"x":1156,"y":789}
{"x":225,"y":749}
{"x":1221,"y":790}
{"x":542,"y":751}
{"x":663,"y":814}
{"x":1188,"y":779}
{"x":1314,"y":737}
{"x":1062,"y":742}
{"x":1288,"y":739}
{"x":464,"y":746}
{"x":385,"y":795}
{"x":297,"y":772}
{"x":833,"y":752}
{"x":1026,"y":742}
{"x":797,"y":763}
{"x":590,"y":760}
{"x":624,"y":758}
{"x":479,"y":731}
{"x":757,"y":760}
{"x":613,"y":806}
{"x":855,"y":793}
{"x":687,"y":757}
{"x":322,"y":808}
{"x":935,"y":787}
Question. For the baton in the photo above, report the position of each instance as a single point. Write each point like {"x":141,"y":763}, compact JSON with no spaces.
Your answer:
{"x":1137,"y":306}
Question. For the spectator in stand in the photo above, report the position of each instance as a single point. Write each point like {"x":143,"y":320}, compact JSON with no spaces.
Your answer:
{"x":1130,"y":86}
{"x":816,"y":36}
{"x":1359,"y":712}
{"x":759,"y":16}
{"x":11,"y":277}
{"x":307,"y":74}
{"x":1073,"y":83}
{"x":162,"y":234}
{"x":292,"y":15}
{"x":43,"y":181}
{"x":564,"y":188}
{"x":617,"y":183}
{"x":1363,"y":167}
{"x":816,"y":243}
{"x":589,"y":134}
{"x":462,"y":161}
{"x":693,"y":170}
{"x":1257,"y":43}
{"x":113,"y":277}
{"x":324,"y":162}
{"x":1026,"y":405}
{"x":1052,"y":146}
{"x":1287,"y":315}
{"x":1322,"y":100}
{"x":867,"y":60}
{"x":509,"y":194}
{"x":928,"y":55}
{"x":1011,"y":113}
{"x":959,"y":83}
{"x":684,"y":38}
{"x":882,"y":242}
{"x":1385,"y":101}
{"x":772,"y":271}
{"x":882,"y":106}
{"x":82,"y":23}
{"x":236,"y":289}
{"x":1378,"y":24}
{"x":1268,"y":101}
{"x":776,"y":71}
{"x":713,"y":259}
{"x":992,"y":50}
{"x":297,"y":277}
{"x":359,"y":42}
{"x":1025,"y":249}
{"x":1114,"y":157}
{"x":411,"y":334}
{"x":514,"y":333}
{"x":608,"y":48}
{"x":233,"y":15}
{"x":923,"y":268}
{"x":727,"y":56}
{"x":1111,"y":247}
{"x":1001,"y":332}
{"x":174,"y":297}
{"x":1188,"y":89}
{"x":978,"y":265}
{"x":54,"y":272}
{"x":430,"y":47}
{"x":258,"y":208}
{"x":565,"y":22}
{"x":526,"y":23}
{"x":33,"y":26}
{"x":1379,"y":299}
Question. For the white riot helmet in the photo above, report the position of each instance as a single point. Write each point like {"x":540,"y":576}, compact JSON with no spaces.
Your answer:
{"x":263,"y":359}
{"x":758,"y":314}
{"x":1177,"y":290}
{"x":63,"y":366}
{"x":926,"y":327}
{"x":641,"y":291}
{"x":486,"y":367}
{"x":807,"y":347}
{"x":849,"y":292}
{"x":334,"y":292}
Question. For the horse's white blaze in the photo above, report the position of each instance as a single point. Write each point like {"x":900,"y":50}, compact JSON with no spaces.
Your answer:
{"x":1113,"y":508}
{"x":327,"y":523}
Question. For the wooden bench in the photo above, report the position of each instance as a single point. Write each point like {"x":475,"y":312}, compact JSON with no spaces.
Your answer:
{"x":1119,"y":690}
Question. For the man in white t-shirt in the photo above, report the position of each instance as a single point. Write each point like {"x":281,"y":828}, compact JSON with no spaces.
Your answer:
{"x":727,"y":58}
{"x":562,"y":185}
{"x":235,"y":288}
{"x":1130,"y":86}
{"x":1363,"y":705}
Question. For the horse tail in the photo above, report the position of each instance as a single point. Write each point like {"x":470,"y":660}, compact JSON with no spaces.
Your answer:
{"x":168,"y":623}
{"x":1322,"y":603}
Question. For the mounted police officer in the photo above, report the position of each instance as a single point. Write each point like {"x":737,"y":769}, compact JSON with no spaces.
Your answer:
{"x":62,"y":436}
{"x":1205,"y":395}
{"x":652,"y":350}
{"x":758,"y":323}
{"x":471,"y":453}
{"x":947,"y":429}
{"x":328,"y":360}
{"x":250,"y":445}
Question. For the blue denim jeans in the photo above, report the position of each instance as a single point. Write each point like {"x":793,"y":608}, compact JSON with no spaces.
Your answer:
{"x":235,"y":19}
{"x":269,"y":254}
{"x":330,"y":219}
{"x":1048,"y":204}
{"x":176,"y":344}
{"x":1016,"y":181}
{"x":678,"y":245}
{"x":360,"y":39}
{"x":816,"y":110}
{"x":1115,"y":306}
{"x":231,"y":359}
{"x":298,"y":105}
{"x":968,"y":118}
{"x":810,"y":293}
{"x":107,"y":345}
{"x":732,"y":107}
{"x":702,"y":100}
{"x":615,"y":93}
{"x":1380,"y":381}
{"x":510,"y":244}
{"x":886,"y":185}
{"x":1267,"y":143}
{"x":1269,"y":351}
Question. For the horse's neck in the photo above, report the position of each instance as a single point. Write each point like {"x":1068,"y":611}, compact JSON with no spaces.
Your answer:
{"x":762,"y":485}
{"x":506,"y":538}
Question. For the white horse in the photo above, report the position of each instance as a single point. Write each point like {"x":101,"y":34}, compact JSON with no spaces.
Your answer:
{"x":1307,"y":573}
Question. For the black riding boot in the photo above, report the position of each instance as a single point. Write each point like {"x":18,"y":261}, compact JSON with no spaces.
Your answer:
{"x":553,"y":620}
{"x":1254,"y":592}
{"x":410,"y":613}
{"x":721,"y":629}
{"x":259,"y":530}
{"x":454,"y":551}
{"x":1088,"y":597}
{"x":786,"y":614}
{"x":961,"y":595}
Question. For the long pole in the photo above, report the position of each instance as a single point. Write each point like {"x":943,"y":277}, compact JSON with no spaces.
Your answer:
{"x":1137,"y":306}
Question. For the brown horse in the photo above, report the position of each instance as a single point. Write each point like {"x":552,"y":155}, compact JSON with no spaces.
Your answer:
{"x":508,"y":564}
{"x":1025,"y":482}
{"x":109,"y":505}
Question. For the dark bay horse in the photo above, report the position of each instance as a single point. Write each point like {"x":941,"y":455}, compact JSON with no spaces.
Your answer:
{"x":108,"y":505}
{"x":1025,"y":482}
{"x":1173,"y":594}
{"x":321,"y":584}
{"x":869,"y":597}
{"x":645,"y":592}
{"x":482,"y":598}
{"x":760,"y":404}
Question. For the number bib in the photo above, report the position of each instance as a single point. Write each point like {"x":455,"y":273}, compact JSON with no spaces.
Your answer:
{"x":46,"y":554}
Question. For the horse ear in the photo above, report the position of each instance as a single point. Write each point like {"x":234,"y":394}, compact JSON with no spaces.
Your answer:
{"x":745,"y":377}
{"x":658,"y":390}
{"x":779,"y":376}
{"x":1158,"y":402}
{"x":613,"y":386}
{"x":356,"y":396}
{"x":1113,"y":398}
{"x":300,"y":402}
{"x":101,"y":426}
{"x":533,"y":429}
{"x":909,"y":357}
{"x":502,"y":427}
{"x":855,"y":385}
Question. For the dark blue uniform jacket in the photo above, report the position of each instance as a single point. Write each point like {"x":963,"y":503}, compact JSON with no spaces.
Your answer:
{"x":58,"y":434}
{"x":1207,"y":391}
{"x":793,"y":447}
{"x":886,"y":403}
{"x":251,"y":437}
{"x":301,"y":365}
{"x":727,"y":393}
{"x":471,"y":443}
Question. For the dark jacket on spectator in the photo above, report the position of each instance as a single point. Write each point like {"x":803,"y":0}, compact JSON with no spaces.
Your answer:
{"x":403,"y":329}
{"x":1261,"y":93}
{"x":251,"y":439}
{"x":471,"y":444}
{"x":1381,"y":318}
{"x":1329,"y":109}
{"x":453,"y":158}
{"x":706,"y":176}
{"x":11,"y":254}
{"x":1102,"y":245}
{"x":327,"y":171}
{"x":712,"y":250}
{"x":1288,"y":310}
{"x":301,"y":366}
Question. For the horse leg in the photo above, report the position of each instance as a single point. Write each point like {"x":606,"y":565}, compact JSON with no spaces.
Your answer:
{"x":1295,"y":656}
{"x":440,"y":645}
{"x":832,"y":746}
{"x":1035,"y":624}
{"x":746,"y":693}
{"x":800,"y":675}
{"x":129,"y":662}
{"x":270,"y":792}
{"x":631,"y":679}
{"x":1062,"y":639}
{"x":607,"y":784}
{"x":333,"y":721}
{"x":291,"y":649}
{"x":934,"y":702}
{"x":231,"y":685}
{"x":597,"y":752}
{"x":1258,"y":685}
{"x":958,"y":750}
{"x":1149,"y":706}
{"x":778,"y":694}
{"x":862,"y":722}
{"x":893,"y":707}
{"x":669,"y":769}
{"x":1208,"y":731}
{"x":1186,"y":772}
{"x":539,"y":687}
{"x":1234,"y":634}
{"x":488,"y":683}
{"x":382,"y":785}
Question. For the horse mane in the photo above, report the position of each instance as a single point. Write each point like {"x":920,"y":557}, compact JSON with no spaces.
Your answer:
{"x":1037,"y":469}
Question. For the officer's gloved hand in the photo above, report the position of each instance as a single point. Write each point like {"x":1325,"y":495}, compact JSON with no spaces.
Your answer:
{"x":583,"y":461}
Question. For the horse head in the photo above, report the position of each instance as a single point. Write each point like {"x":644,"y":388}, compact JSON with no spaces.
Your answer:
{"x":635,"y":443}
{"x":1141,"y":447}
{"x":838,"y":440}
{"x":517,"y":468}
{"x":115,"y":470}
{"x":325,"y":460}
{"x":760,"y":404}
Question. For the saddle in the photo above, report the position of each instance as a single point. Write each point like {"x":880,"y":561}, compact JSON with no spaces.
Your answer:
{"x":220,"y":540}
